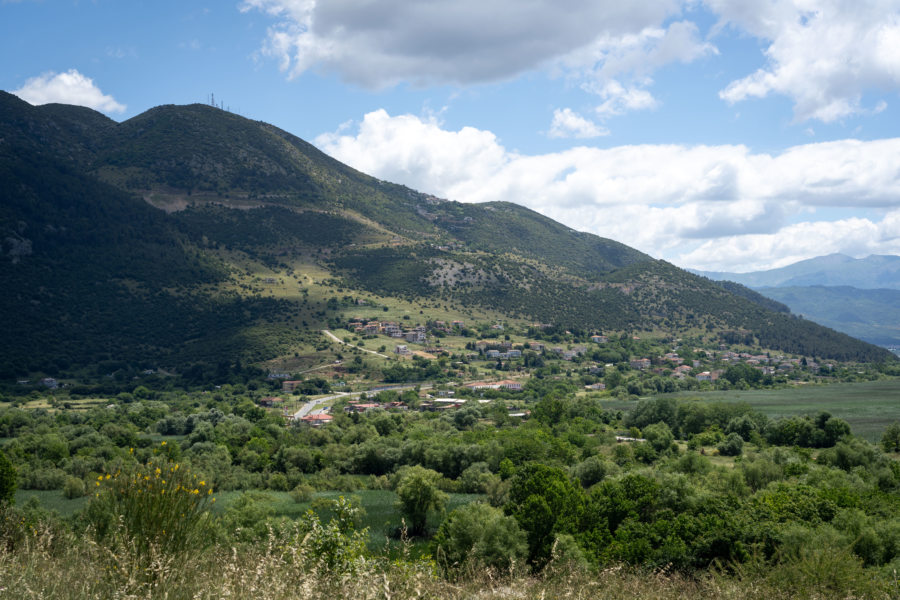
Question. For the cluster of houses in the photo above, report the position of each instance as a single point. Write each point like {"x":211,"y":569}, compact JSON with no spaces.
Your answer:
{"x":772,"y":364}
{"x":506,"y":384}
{"x":767,"y":364}
{"x":415,"y":335}
{"x":505,"y":350}
{"x":448,"y":328}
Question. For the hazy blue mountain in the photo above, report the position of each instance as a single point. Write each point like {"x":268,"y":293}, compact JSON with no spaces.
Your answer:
{"x":872,"y":272}
{"x":860,"y":297}
{"x":871,"y":315}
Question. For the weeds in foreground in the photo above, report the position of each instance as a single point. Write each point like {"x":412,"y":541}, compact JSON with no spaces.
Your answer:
{"x":283,"y":567}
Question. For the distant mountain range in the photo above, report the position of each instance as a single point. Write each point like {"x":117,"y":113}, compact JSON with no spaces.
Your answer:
{"x":860,"y":297}
{"x":188,"y":235}
{"x":872,"y":272}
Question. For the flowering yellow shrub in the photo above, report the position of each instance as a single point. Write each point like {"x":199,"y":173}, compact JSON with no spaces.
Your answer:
{"x":158,"y":506}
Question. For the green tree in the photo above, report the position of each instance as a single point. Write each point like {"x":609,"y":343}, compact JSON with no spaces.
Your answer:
{"x":7,"y":480}
{"x":418,"y":495}
{"x":745,"y":372}
{"x":733,"y":445}
{"x":890,"y":439}
{"x":652,"y":411}
{"x":592,"y":470}
{"x":659,"y":436}
{"x":544,"y":502}
{"x":481,"y":535}
{"x":549,"y":410}
{"x":835,"y":429}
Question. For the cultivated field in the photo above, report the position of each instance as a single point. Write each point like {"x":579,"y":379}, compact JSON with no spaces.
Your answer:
{"x":869,"y":407}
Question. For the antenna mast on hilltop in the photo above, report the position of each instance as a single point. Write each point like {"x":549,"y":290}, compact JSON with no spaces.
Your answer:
{"x":212,"y":102}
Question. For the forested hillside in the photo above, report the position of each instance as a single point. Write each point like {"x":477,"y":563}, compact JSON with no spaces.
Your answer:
{"x":160,"y":239}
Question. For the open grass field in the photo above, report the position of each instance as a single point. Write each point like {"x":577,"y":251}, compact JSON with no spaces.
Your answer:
{"x":52,"y":500}
{"x":380,"y":516}
{"x":868,"y":407}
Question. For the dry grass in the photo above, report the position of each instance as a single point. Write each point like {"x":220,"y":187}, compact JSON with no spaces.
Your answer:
{"x":49,"y":564}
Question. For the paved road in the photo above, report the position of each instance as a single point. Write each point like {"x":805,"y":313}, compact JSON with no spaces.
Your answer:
{"x":310,"y":408}
{"x":335,"y":338}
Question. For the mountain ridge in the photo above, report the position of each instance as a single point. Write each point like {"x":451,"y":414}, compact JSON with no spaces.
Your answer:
{"x":245,"y":199}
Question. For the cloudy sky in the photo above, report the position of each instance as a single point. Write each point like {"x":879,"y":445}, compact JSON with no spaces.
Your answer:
{"x":716,"y":134}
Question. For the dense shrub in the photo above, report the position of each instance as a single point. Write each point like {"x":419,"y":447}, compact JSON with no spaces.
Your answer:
{"x":733,"y":445}
{"x":73,"y":487}
{"x":7,"y":480}
{"x":478,"y":534}
{"x":592,"y":470}
{"x":659,"y":435}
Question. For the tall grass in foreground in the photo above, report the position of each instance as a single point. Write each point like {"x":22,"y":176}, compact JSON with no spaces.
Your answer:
{"x":53,"y":564}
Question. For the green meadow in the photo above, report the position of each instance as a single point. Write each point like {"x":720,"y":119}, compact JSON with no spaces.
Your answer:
{"x":380,"y":514}
{"x":868,"y":407}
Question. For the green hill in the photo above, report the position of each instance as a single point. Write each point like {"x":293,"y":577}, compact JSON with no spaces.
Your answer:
{"x":191,"y":235}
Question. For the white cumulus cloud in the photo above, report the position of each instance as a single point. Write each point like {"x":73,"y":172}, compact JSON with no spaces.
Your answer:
{"x":824,"y":55}
{"x":618,"y":99}
{"x":443,"y":41}
{"x":855,"y":237}
{"x":569,"y":124}
{"x":712,"y":207}
{"x":464,"y":42}
{"x":70,"y":87}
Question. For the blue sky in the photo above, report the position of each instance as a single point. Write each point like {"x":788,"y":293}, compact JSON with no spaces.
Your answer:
{"x":717,"y":134}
